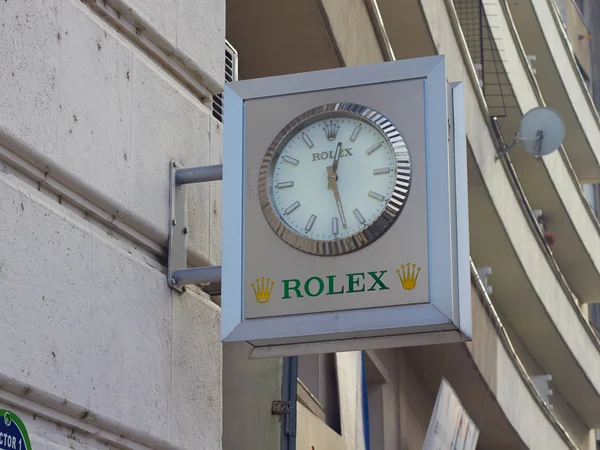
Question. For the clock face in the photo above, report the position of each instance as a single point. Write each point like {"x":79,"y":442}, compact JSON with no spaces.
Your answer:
{"x":335,"y":179}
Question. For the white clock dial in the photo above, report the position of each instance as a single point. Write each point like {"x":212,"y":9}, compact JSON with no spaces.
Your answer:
{"x":366,"y":176}
{"x":335,"y":179}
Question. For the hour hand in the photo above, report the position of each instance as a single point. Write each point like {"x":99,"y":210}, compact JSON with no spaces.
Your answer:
{"x":332,"y":184}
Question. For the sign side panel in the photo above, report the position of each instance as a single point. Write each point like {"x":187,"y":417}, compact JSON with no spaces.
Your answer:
{"x":453,"y":221}
{"x":344,"y":322}
{"x":233,"y":213}
{"x":462,"y":210}
{"x":368,"y":343}
{"x":336,"y":78}
{"x":438,"y":191}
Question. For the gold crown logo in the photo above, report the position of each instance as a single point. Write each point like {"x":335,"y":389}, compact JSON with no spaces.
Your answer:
{"x":262,"y":289}
{"x":331,"y":131}
{"x":408,"y":278}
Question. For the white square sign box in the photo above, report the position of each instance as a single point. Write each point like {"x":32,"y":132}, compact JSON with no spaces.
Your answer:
{"x":345,"y":221}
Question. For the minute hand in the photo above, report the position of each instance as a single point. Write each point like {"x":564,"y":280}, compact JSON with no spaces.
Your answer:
{"x":336,"y":158}
{"x":332,"y":184}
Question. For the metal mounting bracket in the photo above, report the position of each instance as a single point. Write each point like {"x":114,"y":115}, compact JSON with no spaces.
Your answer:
{"x":178,"y":274}
{"x":519,"y":138}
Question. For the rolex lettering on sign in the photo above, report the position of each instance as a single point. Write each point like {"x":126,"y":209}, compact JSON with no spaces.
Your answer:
{"x":338,"y":192}
{"x":341,"y":195}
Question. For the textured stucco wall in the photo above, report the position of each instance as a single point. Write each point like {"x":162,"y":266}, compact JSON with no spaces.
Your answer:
{"x":88,"y":100}
{"x":194,"y":28}
{"x":89,"y":323}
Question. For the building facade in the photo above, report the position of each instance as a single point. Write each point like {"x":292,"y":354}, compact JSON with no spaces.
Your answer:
{"x":97,"y":97}
{"x":529,"y":378}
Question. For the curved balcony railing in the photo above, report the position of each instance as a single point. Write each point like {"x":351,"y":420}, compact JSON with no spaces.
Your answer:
{"x":532,"y":219}
{"x":514,"y":179}
{"x":514,"y":357}
{"x":577,"y":38}
{"x":584,"y":364}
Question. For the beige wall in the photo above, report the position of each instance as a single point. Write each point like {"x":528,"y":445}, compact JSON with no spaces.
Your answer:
{"x":312,"y":432}
{"x":415,"y":405}
{"x":249,"y":389}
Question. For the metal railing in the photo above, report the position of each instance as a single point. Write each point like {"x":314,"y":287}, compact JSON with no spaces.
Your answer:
{"x":486,"y":56}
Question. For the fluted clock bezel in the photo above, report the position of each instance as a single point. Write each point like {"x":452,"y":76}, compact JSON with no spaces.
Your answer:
{"x":393,"y":207}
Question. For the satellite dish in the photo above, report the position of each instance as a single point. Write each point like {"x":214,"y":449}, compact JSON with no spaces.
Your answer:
{"x":541,"y":132}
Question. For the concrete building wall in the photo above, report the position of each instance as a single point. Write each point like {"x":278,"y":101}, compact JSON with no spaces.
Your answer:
{"x":249,"y":389}
{"x":501,"y":375}
{"x":414,"y":405}
{"x":590,"y":11}
{"x":95,"y":343}
{"x":317,"y":422}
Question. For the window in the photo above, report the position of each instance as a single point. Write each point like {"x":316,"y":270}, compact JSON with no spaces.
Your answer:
{"x":584,"y":74}
{"x":594,"y":315}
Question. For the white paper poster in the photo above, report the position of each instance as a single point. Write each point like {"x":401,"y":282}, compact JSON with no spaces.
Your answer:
{"x":450,"y":427}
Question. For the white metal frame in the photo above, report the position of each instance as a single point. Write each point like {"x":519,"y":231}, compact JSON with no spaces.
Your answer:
{"x":448,"y":315}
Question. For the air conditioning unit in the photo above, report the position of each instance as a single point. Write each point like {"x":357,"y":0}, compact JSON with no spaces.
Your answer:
{"x":231,"y":74}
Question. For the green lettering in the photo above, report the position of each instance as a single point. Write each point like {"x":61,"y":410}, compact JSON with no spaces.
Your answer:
{"x":287,"y":288}
{"x":307,"y":286}
{"x":352,"y":281}
{"x":330,"y":291}
{"x":378,"y":282}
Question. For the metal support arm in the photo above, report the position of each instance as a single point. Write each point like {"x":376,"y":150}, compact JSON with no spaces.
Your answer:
{"x":198,"y":174}
{"x":179,"y":275}
{"x":198,"y":275}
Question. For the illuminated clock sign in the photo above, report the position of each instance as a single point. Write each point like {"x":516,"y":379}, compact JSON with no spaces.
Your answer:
{"x":345,"y":209}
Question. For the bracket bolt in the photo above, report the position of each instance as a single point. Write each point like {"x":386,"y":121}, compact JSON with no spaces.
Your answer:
{"x":173,"y":281}
{"x":174,"y":164}
{"x":173,"y":222}
{"x":185,"y":230}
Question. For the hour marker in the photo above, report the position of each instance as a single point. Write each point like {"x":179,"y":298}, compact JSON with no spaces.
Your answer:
{"x":359,"y":216}
{"x":376,"y":196}
{"x":373,"y":147}
{"x":290,"y":160}
{"x":307,"y":140}
{"x":335,"y":228}
{"x":357,"y":129}
{"x":292,"y":207}
{"x":381,"y":171}
{"x":285,"y":184}
{"x":310,"y":222}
